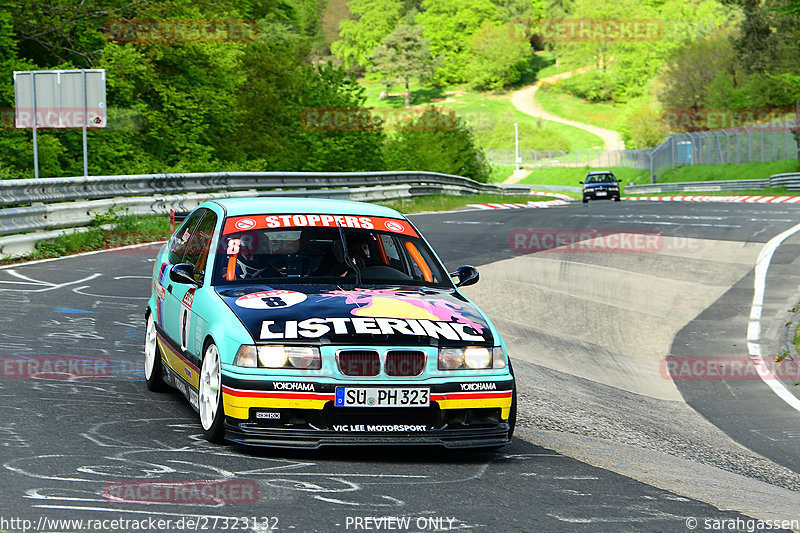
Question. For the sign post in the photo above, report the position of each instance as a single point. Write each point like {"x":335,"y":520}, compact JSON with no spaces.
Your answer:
{"x":60,"y":99}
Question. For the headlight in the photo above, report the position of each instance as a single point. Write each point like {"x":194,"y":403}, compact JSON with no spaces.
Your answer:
{"x":277,"y":356}
{"x":471,"y":358}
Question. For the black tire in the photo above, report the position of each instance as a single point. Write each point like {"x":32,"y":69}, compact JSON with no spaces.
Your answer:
{"x":586,"y":200}
{"x":617,"y":198}
{"x":212,"y":412}
{"x":153,"y":369}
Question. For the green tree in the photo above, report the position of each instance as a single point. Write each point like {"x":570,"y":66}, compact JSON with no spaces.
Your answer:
{"x":360,"y":36}
{"x":449,"y":26}
{"x":290,"y":111}
{"x":438,"y":140}
{"x":402,"y":56}
{"x":498,"y":59}
{"x":624,"y":66}
{"x":520,"y":10}
{"x":688,"y":75}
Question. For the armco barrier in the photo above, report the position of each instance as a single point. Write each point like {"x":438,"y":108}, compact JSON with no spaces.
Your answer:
{"x":26,"y":191}
{"x":790,"y":181}
{"x":41,"y":206}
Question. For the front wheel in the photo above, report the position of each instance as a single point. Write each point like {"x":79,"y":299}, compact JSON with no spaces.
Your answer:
{"x":153,"y":371}
{"x":212,"y":413}
{"x":617,"y":198}
{"x":586,"y":200}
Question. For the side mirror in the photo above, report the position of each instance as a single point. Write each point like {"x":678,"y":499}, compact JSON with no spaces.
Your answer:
{"x":467,"y":275}
{"x":183,"y":273}
{"x":580,"y":182}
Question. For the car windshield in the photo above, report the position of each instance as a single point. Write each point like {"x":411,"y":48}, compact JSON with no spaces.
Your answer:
{"x":601,"y":178}
{"x":317,"y":255}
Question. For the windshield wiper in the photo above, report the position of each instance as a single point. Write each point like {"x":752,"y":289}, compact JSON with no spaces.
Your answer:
{"x":347,"y":259}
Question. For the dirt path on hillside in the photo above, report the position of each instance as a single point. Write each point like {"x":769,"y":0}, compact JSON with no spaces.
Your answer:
{"x":524,"y":100}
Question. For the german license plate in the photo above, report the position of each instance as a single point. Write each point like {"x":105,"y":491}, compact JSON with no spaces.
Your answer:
{"x":382,"y":397}
{"x":600,"y":193}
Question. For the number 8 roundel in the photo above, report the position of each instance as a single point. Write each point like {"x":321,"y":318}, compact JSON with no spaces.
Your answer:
{"x":278,"y":299}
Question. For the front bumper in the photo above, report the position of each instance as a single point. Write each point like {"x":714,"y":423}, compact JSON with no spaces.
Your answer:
{"x":461,"y":415}
{"x":248,"y":434}
{"x":591,"y":194}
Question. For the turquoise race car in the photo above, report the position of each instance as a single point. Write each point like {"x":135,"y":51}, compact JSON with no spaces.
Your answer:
{"x":303,"y":323}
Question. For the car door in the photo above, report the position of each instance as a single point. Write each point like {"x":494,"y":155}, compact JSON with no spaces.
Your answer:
{"x":174,"y":293}
{"x":196,"y":254}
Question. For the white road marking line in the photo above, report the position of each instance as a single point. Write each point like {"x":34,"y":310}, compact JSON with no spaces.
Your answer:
{"x":662,"y":223}
{"x":47,"y":286}
{"x":95,"y":252}
{"x":754,"y":327}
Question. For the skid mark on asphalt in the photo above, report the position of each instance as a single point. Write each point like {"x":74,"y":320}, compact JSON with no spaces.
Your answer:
{"x":28,"y":284}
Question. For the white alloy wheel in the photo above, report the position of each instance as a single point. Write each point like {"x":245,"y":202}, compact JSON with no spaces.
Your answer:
{"x":150,"y":348}
{"x":210,"y":387}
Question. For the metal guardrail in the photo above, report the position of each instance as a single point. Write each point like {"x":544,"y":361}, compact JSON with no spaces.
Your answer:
{"x":57,"y":203}
{"x":26,"y":191}
{"x":790,"y":181}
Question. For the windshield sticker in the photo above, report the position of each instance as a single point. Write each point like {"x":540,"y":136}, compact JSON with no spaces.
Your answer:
{"x":278,"y":299}
{"x":244,"y":224}
{"x":236,"y":224}
{"x":314,"y":328}
{"x":393,"y":225}
{"x":392,"y":303}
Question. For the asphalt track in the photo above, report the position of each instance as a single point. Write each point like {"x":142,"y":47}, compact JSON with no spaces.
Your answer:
{"x":64,"y":440}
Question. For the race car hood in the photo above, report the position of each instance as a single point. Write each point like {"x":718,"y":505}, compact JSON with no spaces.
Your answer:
{"x":359,"y":316}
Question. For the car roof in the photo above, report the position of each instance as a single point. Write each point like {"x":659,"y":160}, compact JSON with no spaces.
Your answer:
{"x":596,"y":172}
{"x":251,"y":206}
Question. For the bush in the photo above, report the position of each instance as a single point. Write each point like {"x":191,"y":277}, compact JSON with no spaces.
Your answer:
{"x":594,"y":86}
{"x":640,"y":125}
{"x":437,"y":141}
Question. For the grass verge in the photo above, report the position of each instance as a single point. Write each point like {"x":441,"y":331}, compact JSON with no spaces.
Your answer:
{"x":571,"y":176}
{"x":796,"y":340}
{"x":500,"y":173}
{"x":571,"y":107}
{"x":731,"y":171}
{"x":126,"y":230}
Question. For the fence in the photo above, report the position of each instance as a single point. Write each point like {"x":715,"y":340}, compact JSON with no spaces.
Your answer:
{"x":741,"y":145}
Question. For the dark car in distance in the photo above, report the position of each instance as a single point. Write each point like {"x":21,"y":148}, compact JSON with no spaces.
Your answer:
{"x":601,"y":185}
